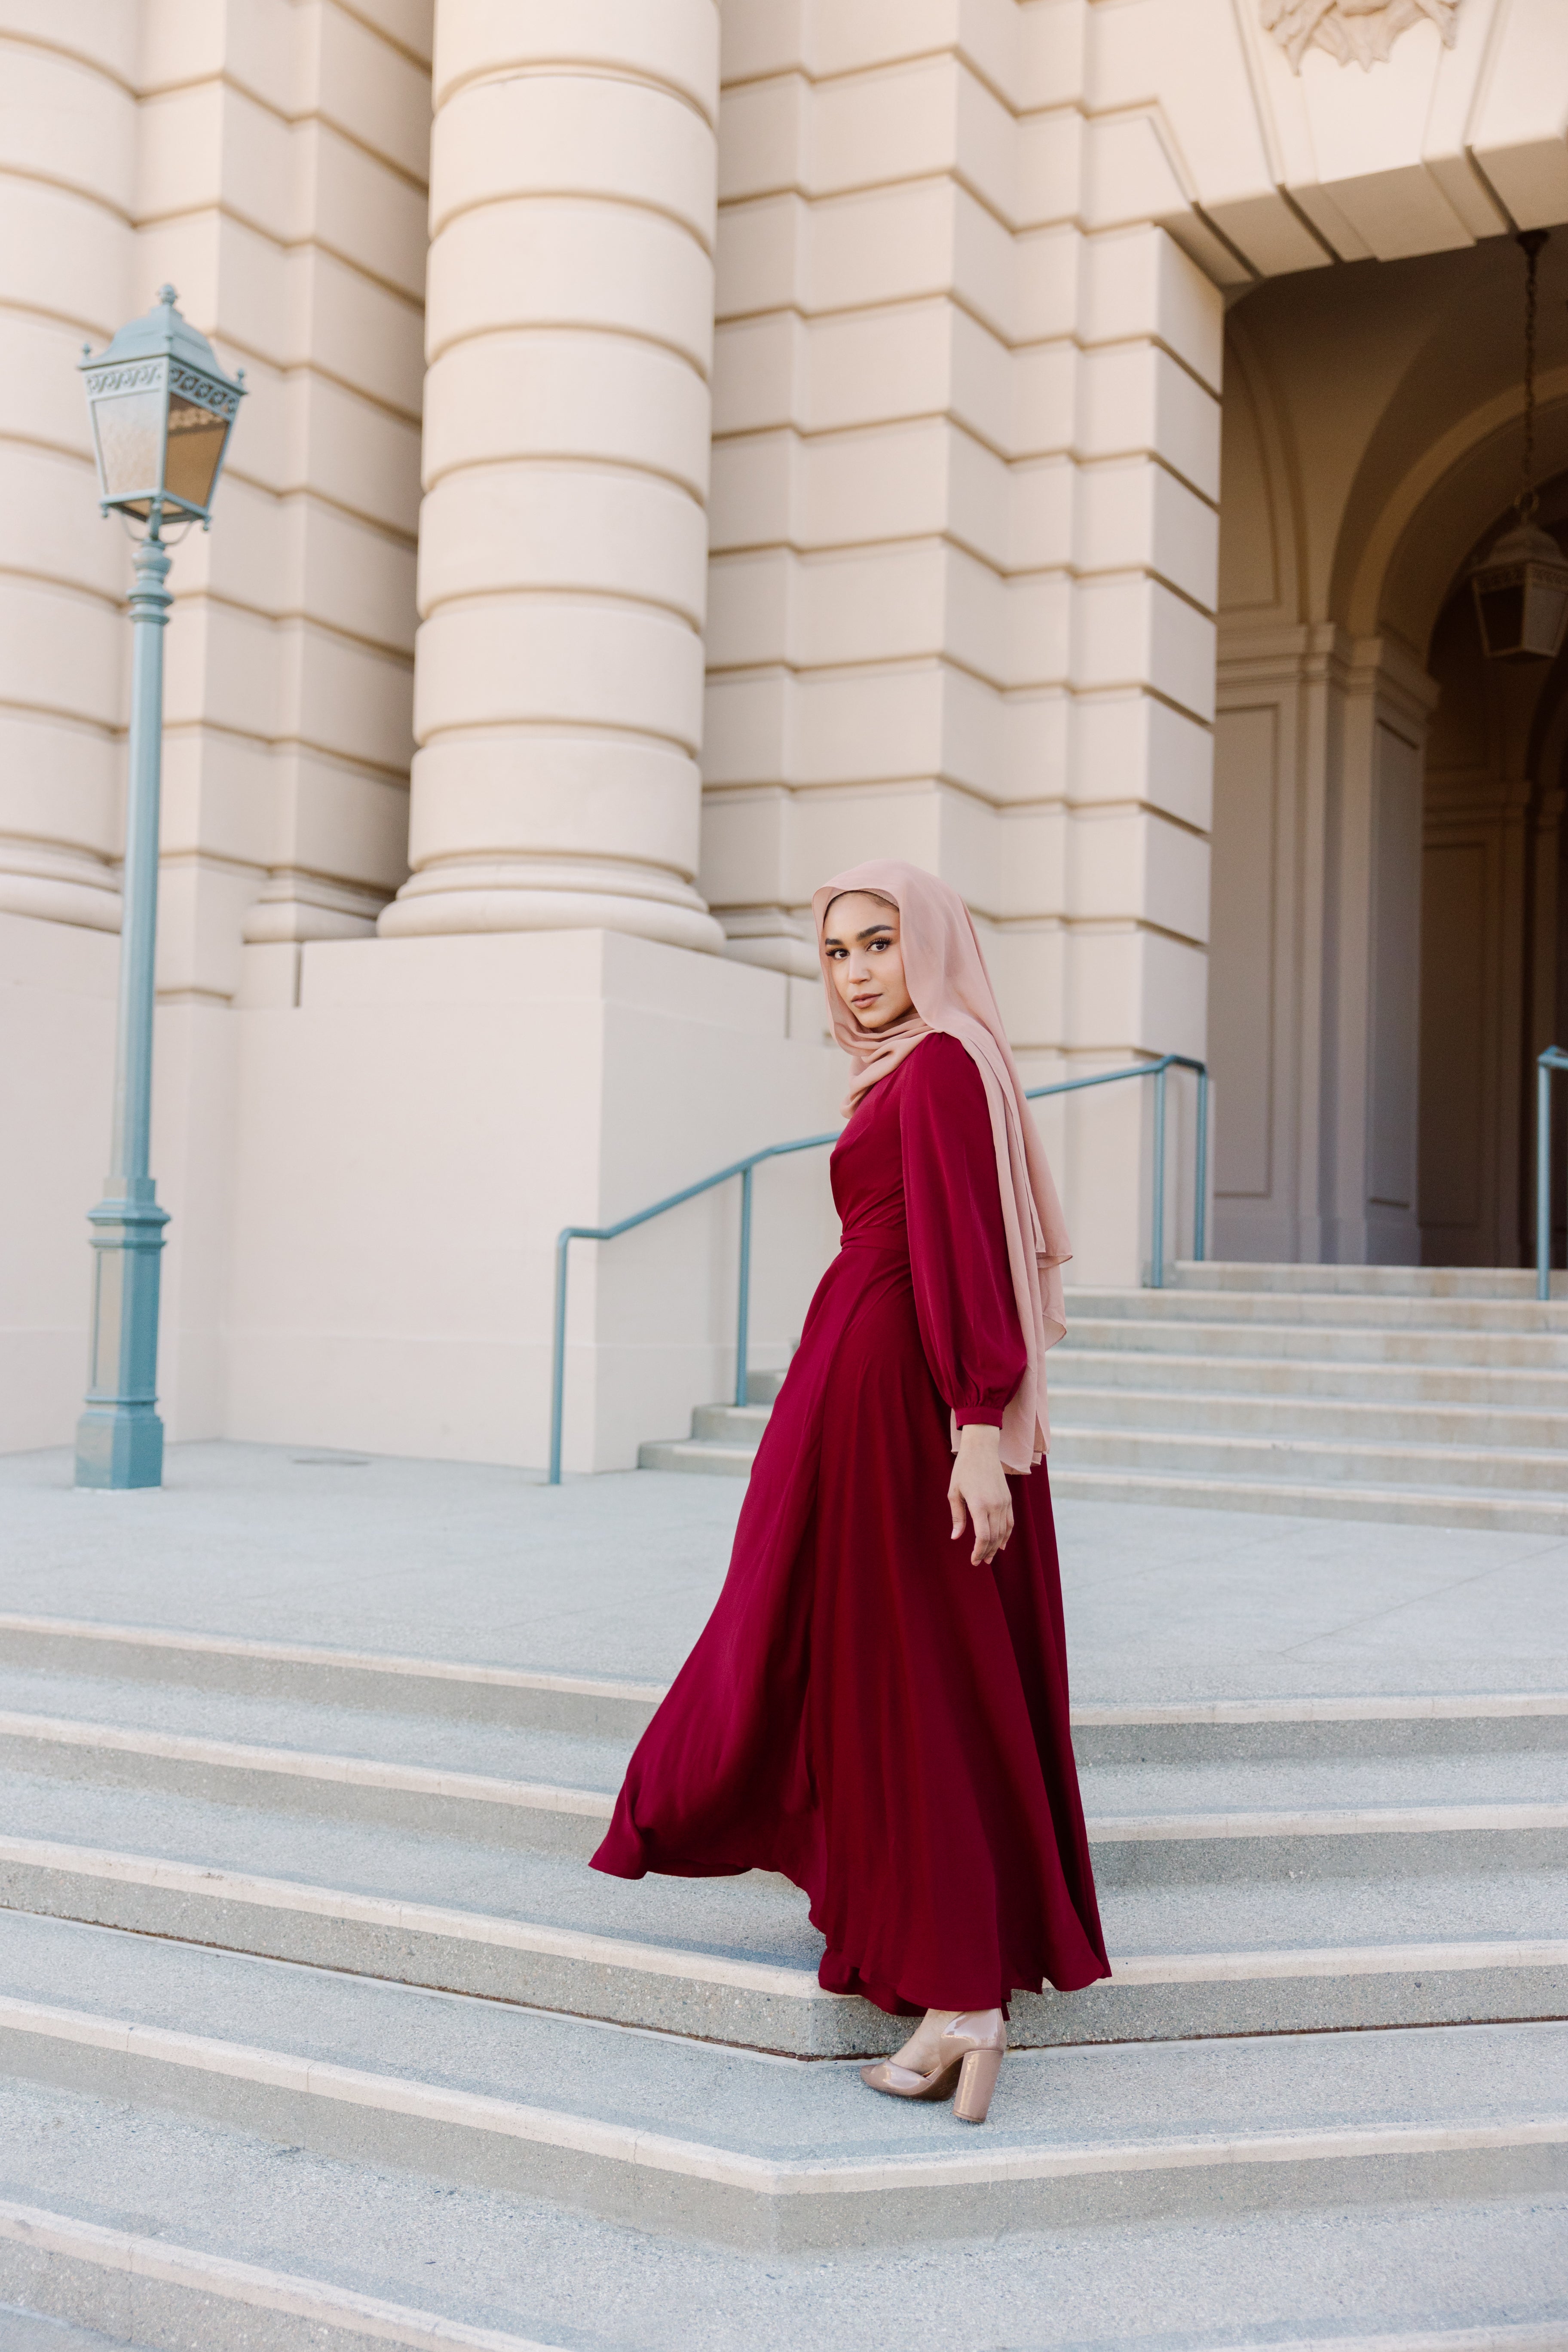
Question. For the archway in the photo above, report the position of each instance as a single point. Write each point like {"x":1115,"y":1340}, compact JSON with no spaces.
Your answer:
{"x":1372,"y":439}
{"x":1493,"y":972}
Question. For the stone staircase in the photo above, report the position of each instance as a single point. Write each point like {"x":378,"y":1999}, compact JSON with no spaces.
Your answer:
{"x":1432,"y":1396}
{"x":315,"y":2033}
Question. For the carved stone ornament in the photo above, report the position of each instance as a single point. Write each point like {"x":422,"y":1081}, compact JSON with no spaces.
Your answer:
{"x":1359,"y":31}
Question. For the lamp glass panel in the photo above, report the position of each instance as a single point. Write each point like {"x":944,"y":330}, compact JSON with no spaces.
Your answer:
{"x":1501,"y":612}
{"x":1545,"y":610}
{"x":196,"y":445}
{"x":128,"y":430}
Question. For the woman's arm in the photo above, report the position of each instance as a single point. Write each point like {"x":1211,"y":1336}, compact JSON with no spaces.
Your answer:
{"x":963,"y":1282}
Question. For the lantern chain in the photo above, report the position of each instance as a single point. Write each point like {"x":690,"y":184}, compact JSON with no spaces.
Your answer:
{"x":1528,"y":501}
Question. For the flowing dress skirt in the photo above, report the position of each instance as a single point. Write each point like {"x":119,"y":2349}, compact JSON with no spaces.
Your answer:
{"x":865,"y":1711}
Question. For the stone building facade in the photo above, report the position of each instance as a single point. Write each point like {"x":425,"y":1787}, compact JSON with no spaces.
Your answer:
{"x":692,"y":447}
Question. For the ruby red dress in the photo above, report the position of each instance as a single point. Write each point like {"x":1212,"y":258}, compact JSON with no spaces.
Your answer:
{"x":865,"y":1711}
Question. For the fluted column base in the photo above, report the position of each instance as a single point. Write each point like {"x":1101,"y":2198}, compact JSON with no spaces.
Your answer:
{"x":58,"y":885}
{"x":532,"y":894}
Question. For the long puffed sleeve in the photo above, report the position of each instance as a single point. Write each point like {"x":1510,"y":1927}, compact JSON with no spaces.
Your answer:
{"x":964,"y":1297}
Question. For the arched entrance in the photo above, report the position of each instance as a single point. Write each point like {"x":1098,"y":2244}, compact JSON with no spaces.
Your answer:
{"x":1383,"y":958}
{"x":1493,"y":971}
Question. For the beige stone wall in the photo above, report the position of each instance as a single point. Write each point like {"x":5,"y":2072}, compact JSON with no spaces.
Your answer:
{"x":827,"y":390}
{"x":270,"y":159}
{"x":966,"y":468}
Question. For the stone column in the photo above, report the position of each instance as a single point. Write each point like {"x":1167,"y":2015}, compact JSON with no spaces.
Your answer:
{"x":563,"y":538}
{"x":67,"y":174}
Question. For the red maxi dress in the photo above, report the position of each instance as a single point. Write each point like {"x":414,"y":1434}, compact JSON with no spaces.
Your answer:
{"x":865,"y":1711}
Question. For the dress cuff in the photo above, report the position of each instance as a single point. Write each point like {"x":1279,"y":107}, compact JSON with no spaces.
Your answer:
{"x":988,"y":1416}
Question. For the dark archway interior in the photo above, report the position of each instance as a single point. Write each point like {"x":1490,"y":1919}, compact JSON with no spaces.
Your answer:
{"x":1494,"y":945}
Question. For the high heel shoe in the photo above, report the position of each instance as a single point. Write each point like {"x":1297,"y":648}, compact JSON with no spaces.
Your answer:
{"x":968,"y":2060}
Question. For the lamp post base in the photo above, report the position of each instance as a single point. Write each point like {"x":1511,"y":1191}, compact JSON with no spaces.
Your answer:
{"x":120,"y":1438}
{"x":120,"y":1445}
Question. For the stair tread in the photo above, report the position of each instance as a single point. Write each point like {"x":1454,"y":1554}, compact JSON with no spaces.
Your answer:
{"x":1421,"y":1281}
{"x":1076,"y":1358}
{"x":325,"y":1741}
{"x":1311,"y":1424}
{"x":1109,"y":2099}
{"x":1086,"y":1371}
{"x":1125,"y":1480}
{"x":516,"y":2264}
{"x":510,"y":1752}
{"x":1350,"y":1449}
{"x":1319,"y":1783}
{"x":1359,"y":1345}
{"x":1325,"y":1309}
{"x":755,"y":1918}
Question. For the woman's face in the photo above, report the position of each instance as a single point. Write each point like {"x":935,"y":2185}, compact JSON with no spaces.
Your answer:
{"x":867,"y":963}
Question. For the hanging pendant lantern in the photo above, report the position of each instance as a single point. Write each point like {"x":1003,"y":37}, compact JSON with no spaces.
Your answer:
{"x":1521,"y":588}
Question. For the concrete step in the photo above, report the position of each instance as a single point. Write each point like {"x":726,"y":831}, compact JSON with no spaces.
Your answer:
{"x":1498,"y":1749}
{"x":1448,"y":1725}
{"x":1476,"y":1388}
{"x":278,"y":1727}
{"x":1321,"y":1308}
{"x":65,"y":1656}
{"x":1271,"y":1919}
{"x":186,"y":2233}
{"x":1302,"y":1419}
{"x":536,"y":1815}
{"x":1344,"y":1344}
{"x":1279,"y":1496}
{"x":1422,"y":1486}
{"x":674,"y":2137}
{"x":591,"y":1706}
{"x":1514,"y":1473}
{"x":1487,"y":1282}
{"x":135,"y":1737}
{"x":707,"y":1461}
{"x":1436,"y":1395}
{"x":729,"y":1424}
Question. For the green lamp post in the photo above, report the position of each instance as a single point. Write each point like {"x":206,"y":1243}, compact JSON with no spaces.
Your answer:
{"x":162,"y":412}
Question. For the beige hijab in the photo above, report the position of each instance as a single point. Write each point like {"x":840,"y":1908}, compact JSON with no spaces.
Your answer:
{"x":952,"y":992}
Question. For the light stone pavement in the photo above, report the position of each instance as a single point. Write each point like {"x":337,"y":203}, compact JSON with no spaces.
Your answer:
{"x":614,"y":1575}
{"x":554,"y":2233}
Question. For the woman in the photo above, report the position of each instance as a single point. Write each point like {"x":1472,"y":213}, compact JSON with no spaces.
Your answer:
{"x":876,"y":1708}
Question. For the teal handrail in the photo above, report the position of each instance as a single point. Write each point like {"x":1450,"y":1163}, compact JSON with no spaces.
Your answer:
{"x":744,"y":1169}
{"x":1554,"y":1058}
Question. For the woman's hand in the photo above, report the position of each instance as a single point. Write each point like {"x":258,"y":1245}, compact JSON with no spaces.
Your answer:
{"x":980,"y":1488}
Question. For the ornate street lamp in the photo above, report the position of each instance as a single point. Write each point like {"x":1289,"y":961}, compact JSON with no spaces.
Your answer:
{"x":1521,"y":588}
{"x":162,"y":412}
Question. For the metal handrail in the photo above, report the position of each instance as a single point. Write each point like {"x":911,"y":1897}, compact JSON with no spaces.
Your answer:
{"x":569,"y":1234}
{"x":1156,"y":1070}
{"x":744,"y":1170}
{"x":1554,"y":1058}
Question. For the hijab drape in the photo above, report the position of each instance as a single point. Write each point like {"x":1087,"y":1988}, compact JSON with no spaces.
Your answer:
{"x":951,"y":989}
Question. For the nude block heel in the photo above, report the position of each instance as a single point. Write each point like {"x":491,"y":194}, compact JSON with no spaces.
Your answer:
{"x":972,"y":2059}
{"x":977,"y":2081}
